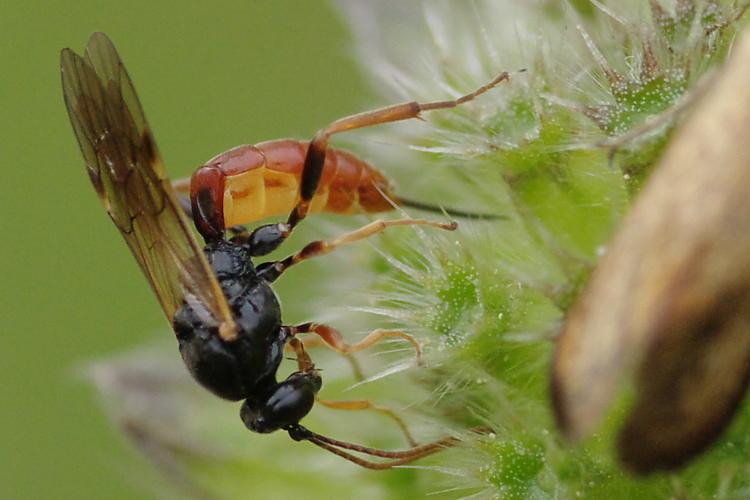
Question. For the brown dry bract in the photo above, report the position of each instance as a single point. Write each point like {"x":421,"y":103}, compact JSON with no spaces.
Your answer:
{"x":671,"y":299}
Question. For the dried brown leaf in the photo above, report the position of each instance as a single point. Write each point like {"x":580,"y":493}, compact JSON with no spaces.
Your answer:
{"x":670,"y":301}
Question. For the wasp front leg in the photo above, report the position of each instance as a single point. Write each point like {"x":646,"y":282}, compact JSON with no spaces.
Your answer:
{"x":304,"y":362}
{"x":335,"y":340}
{"x":366,"y":404}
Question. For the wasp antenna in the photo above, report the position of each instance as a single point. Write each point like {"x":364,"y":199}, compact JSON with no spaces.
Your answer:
{"x":367,"y":464}
{"x":438,"y":209}
{"x":342,"y":449}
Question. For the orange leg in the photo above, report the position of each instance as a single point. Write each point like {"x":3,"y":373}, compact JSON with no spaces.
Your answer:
{"x":272,"y":270}
{"x":304,"y":363}
{"x":364,"y":404}
{"x":335,"y":340}
{"x":317,"y":342}
{"x":316,"y":153}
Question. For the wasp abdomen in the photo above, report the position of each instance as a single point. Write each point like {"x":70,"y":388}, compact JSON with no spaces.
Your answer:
{"x":248,"y":183}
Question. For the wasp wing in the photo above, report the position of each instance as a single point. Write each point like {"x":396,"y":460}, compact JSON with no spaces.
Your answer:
{"x":125,"y":167}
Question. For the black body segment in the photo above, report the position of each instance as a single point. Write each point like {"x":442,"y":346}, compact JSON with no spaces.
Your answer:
{"x":246,"y":366}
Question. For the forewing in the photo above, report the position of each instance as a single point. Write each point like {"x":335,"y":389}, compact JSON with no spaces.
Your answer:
{"x":125,"y":167}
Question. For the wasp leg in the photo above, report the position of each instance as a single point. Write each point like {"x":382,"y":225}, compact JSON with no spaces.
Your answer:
{"x":365,"y":404}
{"x":353,"y":361}
{"x":304,"y":362}
{"x":316,"y":152}
{"x":270,"y":271}
{"x":335,"y":340}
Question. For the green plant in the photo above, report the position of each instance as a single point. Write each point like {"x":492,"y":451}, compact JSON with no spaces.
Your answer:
{"x":560,"y":151}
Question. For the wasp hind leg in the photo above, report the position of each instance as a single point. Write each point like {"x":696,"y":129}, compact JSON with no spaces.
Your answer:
{"x":316,"y":152}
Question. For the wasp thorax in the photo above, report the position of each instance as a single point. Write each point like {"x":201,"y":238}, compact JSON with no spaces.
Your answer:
{"x":229,"y":260}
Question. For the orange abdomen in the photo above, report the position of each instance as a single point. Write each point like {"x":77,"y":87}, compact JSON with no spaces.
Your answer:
{"x":248,"y":183}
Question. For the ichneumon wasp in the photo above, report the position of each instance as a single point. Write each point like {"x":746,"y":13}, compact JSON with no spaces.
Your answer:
{"x":225,"y":315}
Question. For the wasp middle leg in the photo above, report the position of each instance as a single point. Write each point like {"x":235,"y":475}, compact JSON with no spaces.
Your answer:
{"x":270,"y":271}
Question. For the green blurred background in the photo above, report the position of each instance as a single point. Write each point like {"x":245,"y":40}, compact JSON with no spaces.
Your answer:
{"x":210,"y":78}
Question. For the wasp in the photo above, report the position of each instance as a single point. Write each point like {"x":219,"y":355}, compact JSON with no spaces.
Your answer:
{"x":220,"y":304}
